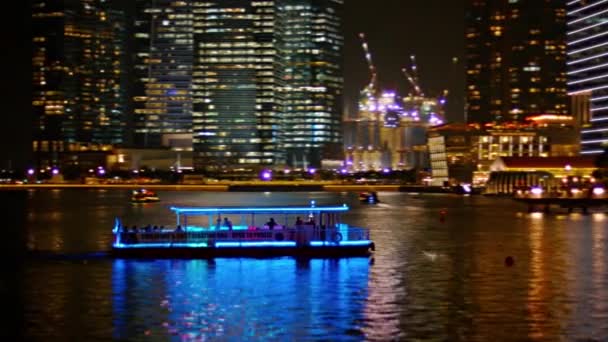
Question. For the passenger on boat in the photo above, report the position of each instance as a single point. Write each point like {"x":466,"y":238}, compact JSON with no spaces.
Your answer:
{"x":311,"y":221}
{"x":271,"y":224}
{"x":299,"y":221}
{"x":161,"y":228}
{"x":218,"y":224}
{"x":178,"y":229}
{"x":134,"y":229}
{"x":228,"y":223}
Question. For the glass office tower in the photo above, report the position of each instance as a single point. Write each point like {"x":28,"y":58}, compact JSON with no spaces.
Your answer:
{"x":312,"y":45}
{"x":163,"y":71}
{"x":267,"y":83}
{"x":237,"y":85}
{"x":78,"y":85}
{"x":515,"y":53}
{"x":588,"y":68}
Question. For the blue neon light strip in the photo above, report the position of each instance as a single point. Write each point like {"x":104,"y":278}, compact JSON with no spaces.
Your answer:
{"x":243,"y":244}
{"x":256,"y":244}
{"x":341,"y":243}
{"x":179,"y":210}
{"x":162,"y":245}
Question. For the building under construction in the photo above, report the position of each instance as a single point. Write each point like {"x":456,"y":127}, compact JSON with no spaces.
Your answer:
{"x":389,"y":131}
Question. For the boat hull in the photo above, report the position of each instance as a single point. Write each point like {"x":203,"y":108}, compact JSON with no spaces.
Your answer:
{"x":239,"y":252}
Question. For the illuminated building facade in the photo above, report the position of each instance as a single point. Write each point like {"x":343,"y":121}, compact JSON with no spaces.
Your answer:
{"x":237,"y":98}
{"x":267,"y":83}
{"x":516,"y":63}
{"x":466,"y":152}
{"x":78,"y":79}
{"x":163,"y":47}
{"x":512,"y":174}
{"x":588,"y":69}
{"x":312,"y":46}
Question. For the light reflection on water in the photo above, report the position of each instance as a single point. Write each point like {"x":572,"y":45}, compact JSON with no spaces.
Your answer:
{"x":240,"y":299}
{"x":429,"y":278}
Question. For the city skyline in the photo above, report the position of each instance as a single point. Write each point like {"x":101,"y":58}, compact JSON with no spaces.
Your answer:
{"x":357,"y":18}
{"x":330,"y":170}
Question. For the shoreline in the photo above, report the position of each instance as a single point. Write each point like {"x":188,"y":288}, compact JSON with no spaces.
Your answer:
{"x":236,"y":187}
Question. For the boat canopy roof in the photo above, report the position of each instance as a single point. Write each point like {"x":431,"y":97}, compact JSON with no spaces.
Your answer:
{"x":191,"y":211}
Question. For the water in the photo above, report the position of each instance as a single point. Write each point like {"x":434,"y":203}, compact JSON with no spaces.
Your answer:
{"x":428,"y":279}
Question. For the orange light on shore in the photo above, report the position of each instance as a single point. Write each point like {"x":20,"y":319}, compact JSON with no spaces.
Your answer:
{"x":550,"y":117}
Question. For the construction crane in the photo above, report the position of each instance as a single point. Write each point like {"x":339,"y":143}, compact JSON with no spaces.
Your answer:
{"x":412,"y":76}
{"x":412,"y":81}
{"x":373,"y":83}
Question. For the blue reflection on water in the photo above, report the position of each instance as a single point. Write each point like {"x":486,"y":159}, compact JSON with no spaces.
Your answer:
{"x":240,"y":299}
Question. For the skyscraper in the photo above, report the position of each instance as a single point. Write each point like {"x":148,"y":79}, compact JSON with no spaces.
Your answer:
{"x":237,"y":99}
{"x":588,"y":68}
{"x":163,"y":70}
{"x":312,"y":46}
{"x":78,"y":98}
{"x":516,"y":55}
{"x":267,"y":83}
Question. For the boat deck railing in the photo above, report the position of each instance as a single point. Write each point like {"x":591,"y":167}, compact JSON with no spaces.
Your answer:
{"x":300,"y":235}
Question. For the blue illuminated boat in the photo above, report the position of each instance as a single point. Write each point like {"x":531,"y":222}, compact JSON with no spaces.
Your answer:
{"x":205,"y":232}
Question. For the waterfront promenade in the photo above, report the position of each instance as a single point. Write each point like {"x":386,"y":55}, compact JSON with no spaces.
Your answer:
{"x":232,"y":186}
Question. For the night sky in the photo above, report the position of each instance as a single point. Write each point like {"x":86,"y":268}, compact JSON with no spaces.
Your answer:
{"x":15,"y":87}
{"x":433,"y":30}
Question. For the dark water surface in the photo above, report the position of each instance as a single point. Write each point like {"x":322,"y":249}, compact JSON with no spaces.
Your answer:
{"x":428,"y":279}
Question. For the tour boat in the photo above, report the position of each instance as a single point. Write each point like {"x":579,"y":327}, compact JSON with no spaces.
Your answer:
{"x":202,"y":232}
{"x":144,"y":196}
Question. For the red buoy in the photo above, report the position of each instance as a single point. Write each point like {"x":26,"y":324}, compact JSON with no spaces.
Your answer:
{"x":442,"y":214}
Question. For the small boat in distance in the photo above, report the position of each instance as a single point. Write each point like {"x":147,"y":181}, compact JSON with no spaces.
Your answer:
{"x":205,"y":232}
{"x":369,"y":197}
{"x":144,"y":196}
